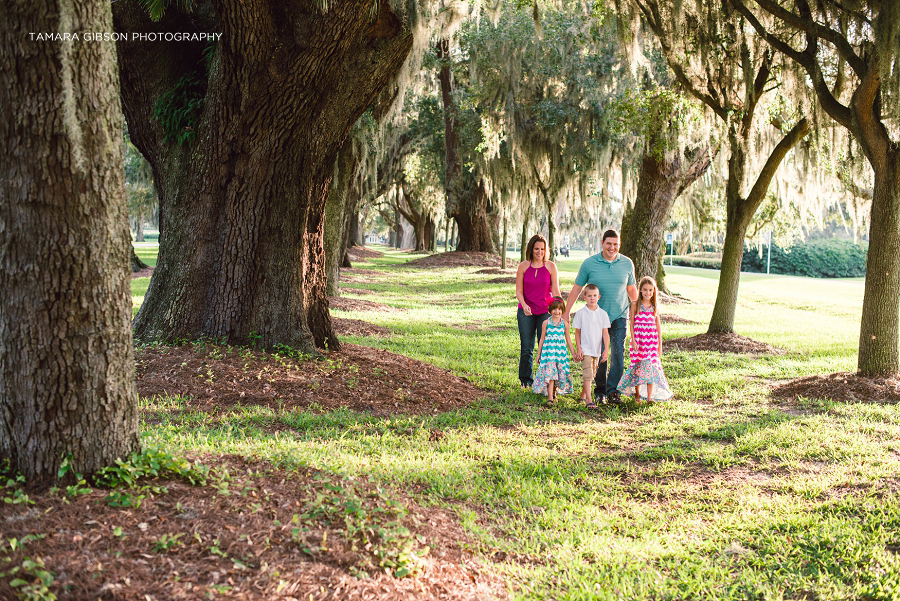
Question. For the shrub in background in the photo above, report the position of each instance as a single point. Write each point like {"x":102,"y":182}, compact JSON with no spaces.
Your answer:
{"x":827,"y":258}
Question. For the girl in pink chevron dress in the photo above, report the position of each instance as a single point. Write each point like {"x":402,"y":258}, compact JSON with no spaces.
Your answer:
{"x":645,"y":376}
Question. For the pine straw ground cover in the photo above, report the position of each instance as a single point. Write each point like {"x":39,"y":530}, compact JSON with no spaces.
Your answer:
{"x":213,"y":378}
{"x":841,"y":386}
{"x":456,"y":259}
{"x":244,"y":530}
{"x":361,"y":253}
{"x":727,"y":342}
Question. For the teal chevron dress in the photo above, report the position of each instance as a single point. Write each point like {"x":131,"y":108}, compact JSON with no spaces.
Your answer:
{"x":554,"y":363}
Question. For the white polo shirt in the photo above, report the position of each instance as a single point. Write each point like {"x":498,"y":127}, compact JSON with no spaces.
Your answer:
{"x":591,"y":324}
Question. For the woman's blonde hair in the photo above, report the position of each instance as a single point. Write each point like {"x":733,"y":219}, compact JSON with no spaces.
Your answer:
{"x":654,"y":300}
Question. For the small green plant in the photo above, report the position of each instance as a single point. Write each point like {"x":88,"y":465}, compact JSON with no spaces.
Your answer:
{"x":167,"y":542}
{"x":31,"y":580}
{"x":215,"y":550}
{"x":16,"y":544}
{"x":120,"y":498}
{"x":18,"y":497}
{"x":66,"y":471}
{"x":152,"y":462}
{"x":7,"y":470}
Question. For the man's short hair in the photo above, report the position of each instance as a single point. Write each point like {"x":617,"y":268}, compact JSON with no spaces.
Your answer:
{"x":590,"y":288}
{"x":609,"y":234}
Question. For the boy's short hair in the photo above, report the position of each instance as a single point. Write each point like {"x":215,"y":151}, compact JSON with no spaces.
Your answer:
{"x":589,"y":287}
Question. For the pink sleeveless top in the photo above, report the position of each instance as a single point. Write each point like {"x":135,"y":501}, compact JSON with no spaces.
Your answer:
{"x":536,"y":289}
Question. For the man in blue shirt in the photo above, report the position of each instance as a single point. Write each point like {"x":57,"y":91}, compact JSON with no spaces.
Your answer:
{"x":613,"y":274}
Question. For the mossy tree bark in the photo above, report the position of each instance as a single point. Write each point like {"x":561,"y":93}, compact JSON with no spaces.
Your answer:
{"x":242,"y":206}
{"x":66,"y":358}
{"x":663,"y":177}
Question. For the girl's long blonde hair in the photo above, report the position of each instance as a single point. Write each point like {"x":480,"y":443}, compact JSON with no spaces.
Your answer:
{"x":654,"y":300}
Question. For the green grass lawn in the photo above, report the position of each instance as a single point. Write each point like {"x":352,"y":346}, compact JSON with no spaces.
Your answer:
{"x":146,"y":252}
{"x":721,"y":493}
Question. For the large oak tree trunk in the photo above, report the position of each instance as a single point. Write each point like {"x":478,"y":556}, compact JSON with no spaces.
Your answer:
{"x":878,"y":335}
{"x":241,"y":252}
{"x":662,"y":179}
{"x":66,"y":358}
{"x":430,"y":233}
{"x":740,"y":211}
{"x":338,"y":211}
{"x":551,"y":227}
{"x":526,"y":221}
{"x":467,"y":200}
{"x":136,"y":263}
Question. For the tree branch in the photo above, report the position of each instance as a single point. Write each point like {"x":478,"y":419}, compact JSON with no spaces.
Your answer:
{"x":854,"y":188}
{"x":874,"y":137}
{"x":698,"y":163}
{"x":832,"y":106}
{"x":651,"y":14}
{"x":812,"y":28}
{"x":758,"y":192}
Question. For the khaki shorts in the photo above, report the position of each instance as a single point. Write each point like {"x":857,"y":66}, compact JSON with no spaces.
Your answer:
{"x":589,"y":367}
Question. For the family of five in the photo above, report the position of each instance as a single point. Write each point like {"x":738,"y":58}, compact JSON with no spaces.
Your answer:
{"x":615,"y":306}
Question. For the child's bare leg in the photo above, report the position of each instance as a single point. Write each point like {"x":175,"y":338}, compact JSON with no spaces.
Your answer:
{"x":586,"y":391}
{"x":649,"y":391}
{"x":551,"y":389}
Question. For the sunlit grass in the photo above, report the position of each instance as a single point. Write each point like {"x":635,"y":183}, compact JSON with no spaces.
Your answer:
{"x":722,"y":493}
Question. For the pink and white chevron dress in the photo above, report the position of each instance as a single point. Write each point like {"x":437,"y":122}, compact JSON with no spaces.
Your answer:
{"x":645,"y":365}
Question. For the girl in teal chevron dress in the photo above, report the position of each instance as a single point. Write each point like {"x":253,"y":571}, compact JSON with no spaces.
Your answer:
{"x":553,"y":350}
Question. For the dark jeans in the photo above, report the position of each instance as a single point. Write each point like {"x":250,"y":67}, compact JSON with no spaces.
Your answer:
{"x":604,"y":385}
{"x":529,"y":330}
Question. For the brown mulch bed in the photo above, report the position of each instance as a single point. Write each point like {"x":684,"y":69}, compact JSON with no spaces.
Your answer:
{"x":357,"y":327}
{"x":496,"y":271}
{"x":723,"y":343}
{"x":360,"y":271}
{"x":361,"y":253}
{"x":356,"y":290}
{"x":146,"y":272}
{"x":669,"y":318}
{"x":456,"y":259}
{"x":354,"y":304}
{"x":842,"y":386}
{"x":669,"y":299}
{"x":252,"y":533}
{"x":506,"y":280}
{"x":214,"y":378}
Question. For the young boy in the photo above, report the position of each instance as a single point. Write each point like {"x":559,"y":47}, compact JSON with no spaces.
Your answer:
{"x":591,"y":325}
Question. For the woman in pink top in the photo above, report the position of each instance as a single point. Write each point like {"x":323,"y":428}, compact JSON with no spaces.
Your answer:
{"x":536,"y":284}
